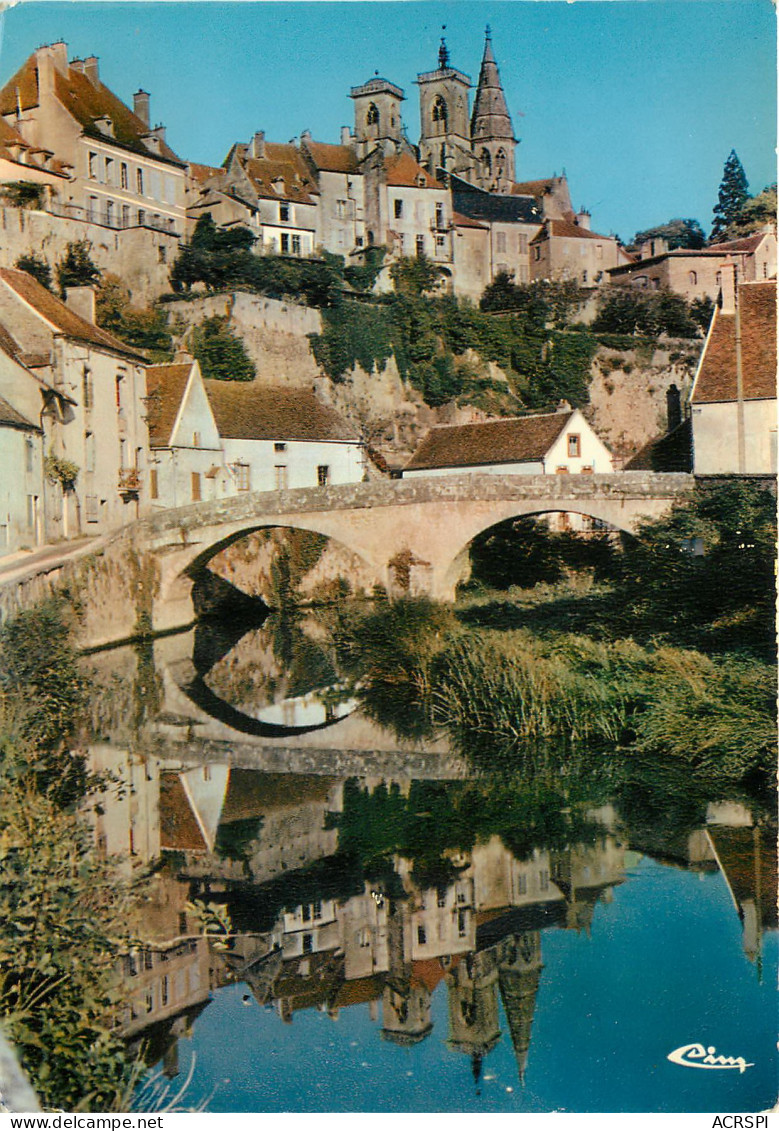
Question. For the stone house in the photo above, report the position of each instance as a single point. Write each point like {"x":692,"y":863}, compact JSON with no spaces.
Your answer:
{"x":415,"y":211}
{"x":696,"y":273}
{"x":186,"y":461}
{"x":21,"y":480}
{"x":341,"y":205}
{"x":471,"y":245}
{"x":559,"y":442}
{"x":123,"y":172}
{"x":513,"y":222}
{"x":277,"y":438}
{"x":733,"y":399}
{"x":568,"y":249}
{"x":100,"y":381}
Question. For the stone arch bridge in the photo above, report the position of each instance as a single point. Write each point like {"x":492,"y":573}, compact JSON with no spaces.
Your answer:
{"x":410,"y":534}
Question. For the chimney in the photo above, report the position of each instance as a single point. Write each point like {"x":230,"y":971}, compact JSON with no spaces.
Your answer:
{"x":77,"y":65}
{"x":673,"y":403}
{"x":59,"y":54}
{"x":563,"y":406}
{"x":305,"y":137}
{"x":727,"y":282}
{"x":81,"y":300}
{"x":47,"y":59}
{"x":583,"y":219}
{"x":257,"y":145}
{"x":141,"y":106}
{"x":346,"y":135}
{"x":159,"y":133}
{"x":90,"y":69}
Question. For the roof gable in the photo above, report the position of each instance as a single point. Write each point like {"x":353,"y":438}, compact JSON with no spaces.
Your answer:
{"x":716,"y":378}
{"x":568,"y":230}
{"x":165,"y":388}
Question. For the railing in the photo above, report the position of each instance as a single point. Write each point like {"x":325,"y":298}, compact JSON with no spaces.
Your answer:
{"x":108,"y":220}
{"x":129,"y":480}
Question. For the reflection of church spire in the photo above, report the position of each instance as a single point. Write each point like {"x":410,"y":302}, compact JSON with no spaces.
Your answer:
{"x":519,"y":976}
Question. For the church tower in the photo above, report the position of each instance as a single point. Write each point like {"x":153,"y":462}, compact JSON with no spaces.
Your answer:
{"x":492,"y":135}
{"x":444,"y":140}
{"x":377,"y":120}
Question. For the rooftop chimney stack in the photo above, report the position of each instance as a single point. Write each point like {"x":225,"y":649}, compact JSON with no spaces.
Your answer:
{"x":257,"y":145}
{"x":673,"y":403}
{"x":141,"y":106}
{"x":90,"y":69}
{"x":583,"y":219}
{"x":81,"y":300}
{"x":346,"y":135}
{"x":727,"y":273}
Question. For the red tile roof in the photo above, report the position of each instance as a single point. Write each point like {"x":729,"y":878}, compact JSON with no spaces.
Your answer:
{"x":716,"y":379}
{"x":61,"y":317}
{"x":261,"y":412}
{"x":534,"y":188}
{"x":403,"y":170}
{"x":165,"y":387}
{"x":461,"y":221}
{"x":281,"y":163}
{"x":203,"y":173}
{"x":85,"y":101}
{"x":518,"y":439}
{"x":179,"y":830}
{"x":746,"y":243}
{"x":568,"y":230}
{"x":332,"y":158}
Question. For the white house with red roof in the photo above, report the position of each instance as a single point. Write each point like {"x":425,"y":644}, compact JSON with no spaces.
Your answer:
{"x":568,"y":249}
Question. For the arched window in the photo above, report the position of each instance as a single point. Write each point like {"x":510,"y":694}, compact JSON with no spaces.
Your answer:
{"x":693,"y":278}
{"x":486,"y":159}
{"x":439,"y":110}
{"x":500,"y":160}
{"x":372,"y":117}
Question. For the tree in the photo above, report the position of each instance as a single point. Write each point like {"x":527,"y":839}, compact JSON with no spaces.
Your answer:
{"x":145,"y":328}
{"x":733,"y":195}
{"x":676,"y":233}
{"x":37,"y":267}
{"x":23,"y":194}
{"x":221,"y":353}
{"x":76,"y":268}
{"x":756,"y":213}
{"x":415,"y":275}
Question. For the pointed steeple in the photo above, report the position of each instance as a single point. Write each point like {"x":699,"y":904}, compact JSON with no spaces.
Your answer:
{"x":492,"y":134}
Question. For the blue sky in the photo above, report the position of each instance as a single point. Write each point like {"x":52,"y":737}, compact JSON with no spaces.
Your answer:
{"x":640,"y":102}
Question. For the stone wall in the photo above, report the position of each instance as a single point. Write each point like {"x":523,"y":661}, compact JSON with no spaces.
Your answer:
{"x":141,"y":256}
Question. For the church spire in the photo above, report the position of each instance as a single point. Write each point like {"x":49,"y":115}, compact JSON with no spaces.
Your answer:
{"x":492,"y":133}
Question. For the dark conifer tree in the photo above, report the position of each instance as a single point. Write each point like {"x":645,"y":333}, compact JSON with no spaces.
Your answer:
{"x":733,"y":195}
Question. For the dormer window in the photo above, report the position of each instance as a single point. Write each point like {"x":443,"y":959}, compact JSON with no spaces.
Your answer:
{"x":421,"y":180}
{"x":105,"y":125}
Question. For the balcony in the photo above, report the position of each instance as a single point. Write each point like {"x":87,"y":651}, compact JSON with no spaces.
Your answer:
{"x":129,"y":482}
{"x":113,"y":220}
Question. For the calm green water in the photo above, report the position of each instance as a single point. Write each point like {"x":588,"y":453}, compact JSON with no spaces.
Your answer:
{"x":402,"y":936}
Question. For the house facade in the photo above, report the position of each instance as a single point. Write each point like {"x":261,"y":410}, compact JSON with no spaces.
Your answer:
{"x":733,"y":399}
{"x":568,"y":249}
{"x":278,"y":438}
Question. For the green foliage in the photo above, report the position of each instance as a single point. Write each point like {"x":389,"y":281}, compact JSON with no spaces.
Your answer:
{"x":677,"y":233}
{"x":221,"y":353}
{"x":542,"y":301}
{"x":36,"y":266}
{"x":57,"y":469}
{"x":352,"y":334}
{"x":23,"y":194}
{"x":415,"y":275}
{"x":733,"y":195}
{"x":701,"y":311}
{"x":524,"y":552}
{"x":76,"y":268}
{"x":363,"y":277}
{"x":146,"y":329}
{"x":632,"y":310}
{"x":223,"y":259}
{"x":756,"y":212}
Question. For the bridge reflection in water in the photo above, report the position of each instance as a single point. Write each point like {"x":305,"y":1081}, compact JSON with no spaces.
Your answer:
{"x":350,"y":868}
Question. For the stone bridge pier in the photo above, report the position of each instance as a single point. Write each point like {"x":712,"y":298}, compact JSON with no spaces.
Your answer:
{"x":412,"y":536}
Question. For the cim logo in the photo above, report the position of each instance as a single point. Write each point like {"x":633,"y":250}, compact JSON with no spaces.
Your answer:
{"x":699,"y":1056}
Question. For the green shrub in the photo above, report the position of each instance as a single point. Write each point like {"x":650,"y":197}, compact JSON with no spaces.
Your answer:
{"x":221,"y":353}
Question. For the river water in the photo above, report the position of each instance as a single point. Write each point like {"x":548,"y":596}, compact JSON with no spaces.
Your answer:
{"x":391,"y":932}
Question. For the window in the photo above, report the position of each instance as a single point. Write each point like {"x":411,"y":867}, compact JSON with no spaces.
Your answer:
{"x":584,"y":276}
{"x":398,"y":209}
{"x":372,"y":117}
{"x":284,"y":211}
{"x":242,"y":476}
{"x":93,"y":166}
{"x":141,"y":217}
{"x":420,"y":246}
{"x":693,"y":278}
{"x":341,"y":209}
{"x":148,"y":960}
{"x":195,"y":486}
{"x":486,"y":160}
{"x":162,"y":254}
{"x":522,"y":244}
{"x":305,"y":912}
{"x":296,"y":245}
{"x":279,"y":447}
{"x":284,"y":243}
{"x":92,"y":210}
{"x":421,"y":935}
{"x":587,"y":470}
{"x":89,"y":444}
{"x":109,"y":170}
{"x":91,"y":508}
{"x":501,"y":241}
{"x":439,"y":110}
{"x":461,"y":924}
{"x":364,"y":937}
{"x":441,"y":900}
{"x":308,"y":943}
{"x":439,"y":215}
{"x":150,"y":999}
{"x":536,"y":253}
{"x":123,"y":175}
{"x":87,"y":388}
{"x":125,"y":215}
{"x":154,"y":484}
{"x":317,"y":908}
{"x":323,"y":475}
{"x":109,"y":213}
{"x":28,"y":453}
{"x":195,"y":439}
{"x":280,"y":471}
{"x":543,"y":881}
{"x":32,"y":506}
{"x":522,"y":885}
{"x":599,"y":251}
{"x":139,"y":181}
{"x":561,"y":471}
{"x":165,"y":990}
{"x":574,"y":445}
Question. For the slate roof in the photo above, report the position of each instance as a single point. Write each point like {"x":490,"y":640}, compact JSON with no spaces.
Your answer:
{"x":471,"y":201}
{"x":165,"y":387}
{"x":62,"y":318}
{"x":85,"y":101}
{"x":716,"y":379}
{"x":332,"y":158}
{"x":568,"y":230}
{"x":10,"y":418}
{"x":260,"y":412}
{"x":519,"y":439}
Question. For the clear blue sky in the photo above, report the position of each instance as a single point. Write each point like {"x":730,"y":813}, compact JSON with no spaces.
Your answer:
{"x":640,"y":102}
